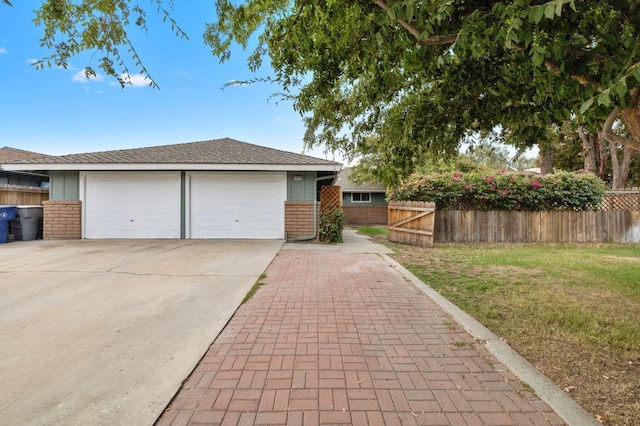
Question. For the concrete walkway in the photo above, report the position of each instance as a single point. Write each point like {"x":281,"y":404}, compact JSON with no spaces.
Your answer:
{"x":340,"y":335}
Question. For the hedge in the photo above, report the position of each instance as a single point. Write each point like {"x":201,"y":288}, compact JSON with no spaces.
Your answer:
{"x":503,"y":191}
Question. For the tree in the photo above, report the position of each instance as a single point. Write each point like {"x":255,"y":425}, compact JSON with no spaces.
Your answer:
{"x":418,"y":74}
{"x":72,"y":27}
{"x":438,"y":69}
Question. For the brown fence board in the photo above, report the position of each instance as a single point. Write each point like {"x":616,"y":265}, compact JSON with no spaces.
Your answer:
{"x":22,"y":195}
{"x":533,"y":227}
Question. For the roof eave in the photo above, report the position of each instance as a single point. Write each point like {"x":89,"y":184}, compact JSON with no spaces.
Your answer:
{"x":174,"y":166}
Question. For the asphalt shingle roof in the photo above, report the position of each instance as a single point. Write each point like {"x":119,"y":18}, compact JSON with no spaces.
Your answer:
{"x":344,"y":180}
{"x":218,"y":151}
{"x":8,"y":153}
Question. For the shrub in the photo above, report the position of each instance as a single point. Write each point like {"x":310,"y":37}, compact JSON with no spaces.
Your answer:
{"x":331,"y":225}
{"x":503,"y":191}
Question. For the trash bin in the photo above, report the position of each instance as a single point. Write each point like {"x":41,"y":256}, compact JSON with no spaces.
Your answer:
{"x":28,"y":223}
{"x":7,"y":213}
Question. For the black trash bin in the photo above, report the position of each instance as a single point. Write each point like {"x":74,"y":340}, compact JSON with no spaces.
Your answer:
{"x":7,"y":213}
{"x":28,"y":223}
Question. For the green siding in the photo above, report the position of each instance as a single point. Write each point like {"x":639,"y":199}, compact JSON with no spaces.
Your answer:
{"x":64,"y":186}
{"x":301,"y":190}
{"x":377,"y":199}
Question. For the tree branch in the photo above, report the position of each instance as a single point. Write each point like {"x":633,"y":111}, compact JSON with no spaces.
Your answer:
{"x":435,"y":40}
{"x":610,"y":134}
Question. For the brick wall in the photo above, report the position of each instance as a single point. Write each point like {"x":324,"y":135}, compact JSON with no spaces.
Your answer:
{"x":62,"y":220}
{"x":298,"y":218}
{"x":365,"y":215}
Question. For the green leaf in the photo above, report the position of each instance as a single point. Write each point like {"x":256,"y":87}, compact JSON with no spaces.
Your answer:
{"x":549,"y":10}
{"x":604,"y":99}
{"x":621,"y":88}
{"x":559,"y":8}
{"x":636,"y":73}
{"x":536,"y":13}
{"x":585,"y":106}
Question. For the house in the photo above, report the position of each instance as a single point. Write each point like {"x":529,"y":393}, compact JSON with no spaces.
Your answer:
{"x":220,"y":188}
{"x":23,"y":178}
{"x":363,"y":204}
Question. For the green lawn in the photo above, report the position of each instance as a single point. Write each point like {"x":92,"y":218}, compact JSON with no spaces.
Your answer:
{"x":571,"y":310}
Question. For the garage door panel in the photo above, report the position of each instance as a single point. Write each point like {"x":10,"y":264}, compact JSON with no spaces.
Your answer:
{"x":237,"y":205}
{"x":132,"y":205}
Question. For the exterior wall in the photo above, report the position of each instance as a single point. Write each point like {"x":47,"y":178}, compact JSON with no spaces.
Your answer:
{"x":365,"y":214}
{"x":64,"y":186}
{"x":62,"y":220}
{"x":301,"y":190}
{"x":298,"y":219}
{"x":377,"y":199}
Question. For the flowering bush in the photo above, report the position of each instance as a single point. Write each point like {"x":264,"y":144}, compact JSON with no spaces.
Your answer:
{"x":331,"y":225}
{"x":503,"y":191}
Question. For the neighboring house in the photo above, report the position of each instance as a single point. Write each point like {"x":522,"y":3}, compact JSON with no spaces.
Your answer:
{"x":363,"y":204}
{"x":212,"y":189}
{"x":23,"y":178}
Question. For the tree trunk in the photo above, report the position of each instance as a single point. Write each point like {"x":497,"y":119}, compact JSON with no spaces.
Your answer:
{"x":631,"y":119}
{"x":602,"y":156}
{"x":620,"y":172}
{"x":589,"y":151}
{"x":595,"y":152}
{"x":546,"y":156}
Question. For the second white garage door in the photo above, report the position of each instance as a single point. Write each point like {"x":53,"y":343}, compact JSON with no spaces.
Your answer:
{"x":236,"y":204}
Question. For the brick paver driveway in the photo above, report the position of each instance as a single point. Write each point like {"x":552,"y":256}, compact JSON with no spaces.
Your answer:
{"x":339,"y":338}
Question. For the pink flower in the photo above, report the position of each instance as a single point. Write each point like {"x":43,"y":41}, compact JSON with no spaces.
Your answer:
{"x":535,"y":184}
{"x":467,"y":186}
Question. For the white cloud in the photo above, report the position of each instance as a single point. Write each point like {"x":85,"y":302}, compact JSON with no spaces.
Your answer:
{"x":81,"y":77}
{"x":2,"y":50}
{"x":136,"y":80}
{"x":185,"y":75}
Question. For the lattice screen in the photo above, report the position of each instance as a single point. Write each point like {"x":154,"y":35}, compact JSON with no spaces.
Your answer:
{"x":621,"y":201}
{"x":330,"y":197}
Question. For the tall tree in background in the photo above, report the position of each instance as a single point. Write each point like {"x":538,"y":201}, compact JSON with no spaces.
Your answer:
{"x":416,"y":74}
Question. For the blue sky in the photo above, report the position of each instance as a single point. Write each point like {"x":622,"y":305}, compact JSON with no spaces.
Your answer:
{"x":58,"y":111}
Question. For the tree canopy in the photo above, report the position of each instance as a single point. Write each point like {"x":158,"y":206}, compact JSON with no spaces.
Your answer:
{"x":415,"y":75}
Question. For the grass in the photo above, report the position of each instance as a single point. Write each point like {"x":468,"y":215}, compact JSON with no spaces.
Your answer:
{"x":571,"y":310}
{"x":373,"y":231}
{"x":589,"y":294}
{"x":254,"y":288}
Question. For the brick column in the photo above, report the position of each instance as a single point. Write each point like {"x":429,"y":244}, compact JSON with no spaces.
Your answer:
{"x":298,"y":218}
{"x":62,"y":220}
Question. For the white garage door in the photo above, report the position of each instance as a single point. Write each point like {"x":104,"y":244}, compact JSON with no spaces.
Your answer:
{"x":236,"y":205}
{"x":131,"y":204}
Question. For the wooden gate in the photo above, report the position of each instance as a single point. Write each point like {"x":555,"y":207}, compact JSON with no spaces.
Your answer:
{"x":412,"y":222}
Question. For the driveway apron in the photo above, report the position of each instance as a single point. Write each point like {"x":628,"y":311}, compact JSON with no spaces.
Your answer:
{"x":104,"y":332}
{"x":339,"y":336}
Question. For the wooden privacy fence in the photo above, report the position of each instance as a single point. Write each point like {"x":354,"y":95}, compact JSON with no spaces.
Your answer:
{"x":23,"y":195}
{"x":622,"y":226}
{"x":411,"y":222}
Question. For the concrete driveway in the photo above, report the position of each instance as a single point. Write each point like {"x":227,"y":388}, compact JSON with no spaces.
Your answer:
{"x":104,"y":332}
